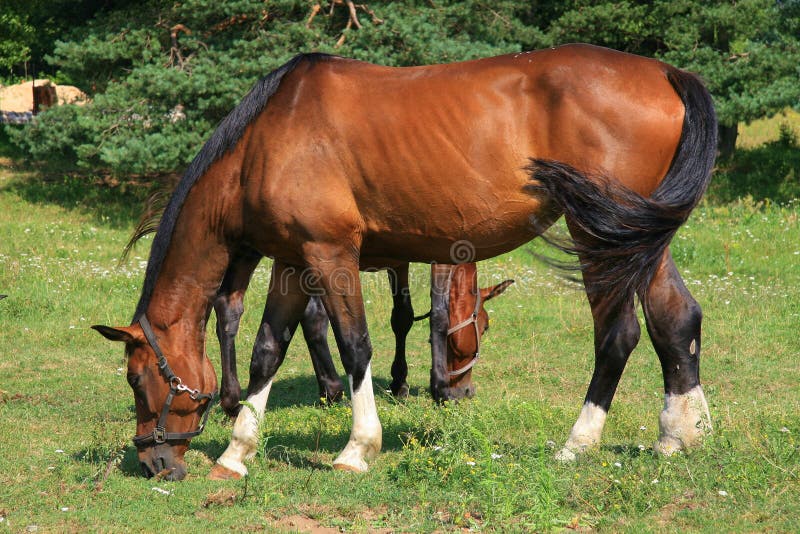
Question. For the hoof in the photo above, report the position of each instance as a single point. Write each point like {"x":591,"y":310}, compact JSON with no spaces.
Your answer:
{"x":219,"y":472}
{"x":667,"y":447}
{"x":566,"y":456}
{"x":401,"y":392}
{"x":362,"y":468}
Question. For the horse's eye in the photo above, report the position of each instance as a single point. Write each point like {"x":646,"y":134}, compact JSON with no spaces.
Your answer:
{"x":134,"y":379}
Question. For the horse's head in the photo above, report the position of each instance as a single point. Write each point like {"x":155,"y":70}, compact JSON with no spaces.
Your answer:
{"x":468,"y":322}
{"x":172,"y":394}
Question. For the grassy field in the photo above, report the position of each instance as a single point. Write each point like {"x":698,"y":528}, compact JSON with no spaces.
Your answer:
{"x":763,"y":131}
{"x":487,"y":464}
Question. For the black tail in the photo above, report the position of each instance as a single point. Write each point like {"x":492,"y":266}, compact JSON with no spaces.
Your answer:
{"x":618,"y":234}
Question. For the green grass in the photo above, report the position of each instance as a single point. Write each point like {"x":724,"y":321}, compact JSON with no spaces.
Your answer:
{"x":66,"y":411}
{"x":763,"y":131}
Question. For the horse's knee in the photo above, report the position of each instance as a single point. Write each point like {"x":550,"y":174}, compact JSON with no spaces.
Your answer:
{"x":265,"y":360}
{"x":229,"y":399}
{"x":229,"y":312}
{"x":673,"y":319}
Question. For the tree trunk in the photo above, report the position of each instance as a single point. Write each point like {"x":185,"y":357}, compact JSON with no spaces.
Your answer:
{"x":726,"y":144}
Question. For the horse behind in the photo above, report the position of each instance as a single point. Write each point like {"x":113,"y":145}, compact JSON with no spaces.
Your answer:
{"x":458,"y":321}
{"x":332,"y":165}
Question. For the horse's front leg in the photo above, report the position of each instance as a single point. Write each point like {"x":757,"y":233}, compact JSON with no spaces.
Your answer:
{"x":315,"y":331}
{"x":229,"y":307}
{"x":402,"y":321}
{"x":616,"y":333}
{"x":286,"y":301}
{"x":673,"y":320}
{"x":439,"y":324}
{"x":339,"y":279}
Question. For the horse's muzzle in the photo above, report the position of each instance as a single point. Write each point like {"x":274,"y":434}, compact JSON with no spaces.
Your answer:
{"x":462,"y":392}
{"x":161,"y":461}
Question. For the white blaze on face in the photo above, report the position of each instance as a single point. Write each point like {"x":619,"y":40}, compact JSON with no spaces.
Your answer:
{"x":244,"y":440}
{"x":683,"y":422}
{"x":585,"y":433}
{"x":366,"y":435}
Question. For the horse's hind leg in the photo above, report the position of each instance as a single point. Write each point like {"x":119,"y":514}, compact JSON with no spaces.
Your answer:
{"x":315,"y":331}
{"x":616,"y":333}
{"x":286,"y":302}
{"x":229,"y":307}
{"x":402,"y":321}
{"x":673,"y":321}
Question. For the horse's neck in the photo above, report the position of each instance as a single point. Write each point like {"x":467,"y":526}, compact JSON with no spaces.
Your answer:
{"x":187,"y":283}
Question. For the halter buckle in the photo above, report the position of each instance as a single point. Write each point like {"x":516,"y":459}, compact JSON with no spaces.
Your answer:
{"x":159,"y":435}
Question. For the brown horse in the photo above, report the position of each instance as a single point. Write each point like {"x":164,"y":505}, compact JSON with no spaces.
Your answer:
{"x":330,"y":165}
{"x":458,"y":321}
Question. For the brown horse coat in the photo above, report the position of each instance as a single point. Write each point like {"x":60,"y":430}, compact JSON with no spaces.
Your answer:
{"x":331,"y":164}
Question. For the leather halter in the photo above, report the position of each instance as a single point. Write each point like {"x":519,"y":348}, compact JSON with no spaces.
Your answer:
{"x":471,"y":320}
{"x":159,"y":434}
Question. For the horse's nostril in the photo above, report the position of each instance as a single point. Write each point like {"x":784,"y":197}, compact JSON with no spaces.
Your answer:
{"x":146,"y":470}
{"x":160,"y":464}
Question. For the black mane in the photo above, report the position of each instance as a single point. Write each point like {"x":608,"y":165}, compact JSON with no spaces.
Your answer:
{"x":224,"y":139}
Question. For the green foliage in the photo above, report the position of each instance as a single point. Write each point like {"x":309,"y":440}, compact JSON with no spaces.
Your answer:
{"x":16,"y":35}
{"x":747,"y":51}
{"x":29,"y":29}
{"x":161,"y":74}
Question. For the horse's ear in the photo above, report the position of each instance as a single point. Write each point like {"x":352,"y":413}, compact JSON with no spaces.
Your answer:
{"x":128,"y":334}
{"x":488,"y":293}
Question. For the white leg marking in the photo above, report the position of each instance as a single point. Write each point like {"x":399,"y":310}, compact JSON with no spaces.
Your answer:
{"x":585,"y":433}
{"x":366,"y":434}
{"x":683,"y":422}
{"x":244,"y":440}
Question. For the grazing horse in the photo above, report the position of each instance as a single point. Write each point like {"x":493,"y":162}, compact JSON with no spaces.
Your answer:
{"x":457,"y":316}
{"x":331,"y":165}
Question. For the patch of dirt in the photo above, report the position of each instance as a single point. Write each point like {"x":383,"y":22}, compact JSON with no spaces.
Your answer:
{"x":301,"y":523}
{"x":25,"y":398}
{"x":686,"y":501}
{"x":223,"y":497}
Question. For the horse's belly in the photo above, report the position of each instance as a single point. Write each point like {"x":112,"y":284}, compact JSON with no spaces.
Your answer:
{"x":445,"y":241}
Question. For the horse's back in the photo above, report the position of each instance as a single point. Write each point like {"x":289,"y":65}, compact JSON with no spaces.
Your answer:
{"x":379,"y":139}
